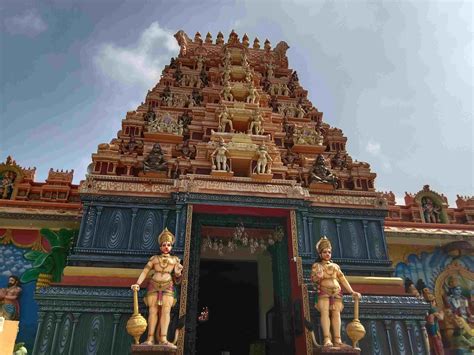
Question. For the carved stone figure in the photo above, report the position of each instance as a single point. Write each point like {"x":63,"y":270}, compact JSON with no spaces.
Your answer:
{"x":160,"y":297}
{"x":270,"y":68}
{"x":264,"y":160}
{"x":256,"y":123}
{"x":431,"y":212}
{"x":6,"y":184}
{"x":320,"y":173}
{"x":328,"y":278}
{"x":9,"y":305}
{"x":291,"y":159}
{"x":200,"y":63}
{"x":300,"y":111}
{"x":178,"y":74}
{"x":132,"y":146}
{"x":186,"y":150}
{"x":155,"y":160}
{"x":253,"y":96}
{"x":338,"y":161}
{"x":149,"y":116}
{"x":225,"y":119}
{"x":226,"y":93}
{"x":219,"y":157}
{"x":167,"y":95}
{"x":197,"y":96}
{"x":203,"y":77}
{"x":185,"y":119}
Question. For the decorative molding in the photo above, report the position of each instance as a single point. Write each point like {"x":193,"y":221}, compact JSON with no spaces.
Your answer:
{"x":184,"y":282}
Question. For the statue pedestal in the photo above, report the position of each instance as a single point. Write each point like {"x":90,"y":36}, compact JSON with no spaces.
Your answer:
{"x":262,"y":177}
{"x":221,"y":173}
{"x":154,"y":174}
{"x":318,"y":186}
{"x":345,"y":350}
{"x":152,"y":349}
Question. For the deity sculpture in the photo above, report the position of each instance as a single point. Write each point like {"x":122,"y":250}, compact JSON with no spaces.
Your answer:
{"x":6,"y":184}
{"x":300,"y":111}
{"x":185,"y":119}
{"x":160,"y":296}
{"x":187,"y":151}
{"x":264,"y":160}
{"x":150,"y":115}
{"x":431,"y":212}
{"x":219,"y":157}
{"x":226,"y":93}
{"x":256,"y":123}
{"x":253,"y":96}
{"x":132,"y":146}
{"x":338,"y":161}
{"x":200,"y":63}
{"x":320,"y":173}
{"x":270,"y":68}
{"x":225,"y":119}
{"x":155,"y":160}
{"x":291,"y":159}
{"x":327,"y":278}
{"x":9,"y":306}
{"x":203,"y":77}
{"x":197,"y":96}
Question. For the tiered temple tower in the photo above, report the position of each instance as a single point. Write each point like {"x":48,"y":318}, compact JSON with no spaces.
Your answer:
{"x":226,"y":138}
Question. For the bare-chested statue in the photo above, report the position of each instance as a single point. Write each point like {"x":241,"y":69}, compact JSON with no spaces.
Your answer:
{"x":160,"y":296}
{"x":9,"y":306}
{"x":264,"y":160}
{"x":219,"y":157}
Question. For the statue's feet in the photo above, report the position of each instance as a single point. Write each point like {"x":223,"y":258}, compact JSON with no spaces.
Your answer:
{"x":338,"y":342}
{"x":148,"y":342}
{"x":327,"y":342}
{"x":168,"y":344}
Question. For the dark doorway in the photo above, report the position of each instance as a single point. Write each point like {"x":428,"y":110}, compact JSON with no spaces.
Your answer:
{"x":230,"y":290}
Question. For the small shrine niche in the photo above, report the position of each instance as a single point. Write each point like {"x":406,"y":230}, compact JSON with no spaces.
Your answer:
{"x":432,"y":206}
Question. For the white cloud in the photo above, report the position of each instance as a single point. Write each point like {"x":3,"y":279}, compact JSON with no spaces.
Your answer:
{"x":29,"y":23}
{"x":141,"y":63}
{"x":373,"y":148}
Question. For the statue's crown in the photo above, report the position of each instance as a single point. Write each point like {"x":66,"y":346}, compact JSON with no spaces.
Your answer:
{"x":166,"y":236}
{"x":324,"y":243}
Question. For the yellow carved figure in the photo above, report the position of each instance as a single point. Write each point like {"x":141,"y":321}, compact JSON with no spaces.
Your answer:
{"x":160,"y":291}
{"x":328,"y":278}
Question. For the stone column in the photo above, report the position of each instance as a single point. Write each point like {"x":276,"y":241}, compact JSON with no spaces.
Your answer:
{"x":388,"y":329}
{"x":75,"y":320}
{"x":114,"y":334}
{"x":132,"y":224}
{"x":59,"y":317}
{"x":38,"y":331}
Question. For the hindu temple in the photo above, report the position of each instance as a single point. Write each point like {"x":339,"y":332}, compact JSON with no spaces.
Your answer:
{"x":227,"y":154}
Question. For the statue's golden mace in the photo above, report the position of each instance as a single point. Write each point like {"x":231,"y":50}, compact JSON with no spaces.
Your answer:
{"x":136,"y":325}
{"x":355,"y":330}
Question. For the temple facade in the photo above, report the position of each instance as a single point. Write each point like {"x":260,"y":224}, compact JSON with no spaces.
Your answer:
{"x":228,"y":154}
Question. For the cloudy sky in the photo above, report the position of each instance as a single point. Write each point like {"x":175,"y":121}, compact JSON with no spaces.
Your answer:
{"x":395,"y":76}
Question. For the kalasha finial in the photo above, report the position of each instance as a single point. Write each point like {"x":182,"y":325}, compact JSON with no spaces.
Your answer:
{"x":256,"y":43}
{"x":208,"y":38}
{"x":220,"y":38}
{"x":245,"y":40}
{"x":197,"y":38}
{"x":267,"y":45}
{"x":233,"y":37}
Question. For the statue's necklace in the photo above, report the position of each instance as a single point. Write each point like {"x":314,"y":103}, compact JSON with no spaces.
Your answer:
{"x":163,"y":261}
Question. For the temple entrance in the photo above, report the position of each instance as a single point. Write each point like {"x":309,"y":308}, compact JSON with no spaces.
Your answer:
{"x":230,"y":291}
{"x":239,"y":268}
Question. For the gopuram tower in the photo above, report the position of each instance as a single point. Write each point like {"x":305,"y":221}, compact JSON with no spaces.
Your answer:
{"x":228,"y":153}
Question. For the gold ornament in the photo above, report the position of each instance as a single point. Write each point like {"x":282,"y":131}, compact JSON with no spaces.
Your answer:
{"x":166,"y":236}
{"x":324,"y":243}
{"x":136,"y":324}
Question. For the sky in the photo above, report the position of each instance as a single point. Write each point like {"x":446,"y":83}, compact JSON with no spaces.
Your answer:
{"x":395,"y":76}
